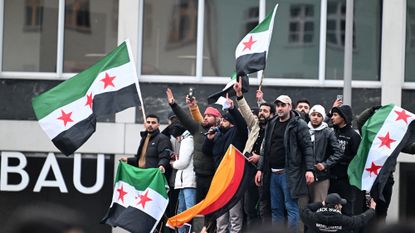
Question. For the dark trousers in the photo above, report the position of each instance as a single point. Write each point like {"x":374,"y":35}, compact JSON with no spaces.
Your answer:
{"x":251,"y":205}
{"x":355,"y":197}
{"x":202,"y":188}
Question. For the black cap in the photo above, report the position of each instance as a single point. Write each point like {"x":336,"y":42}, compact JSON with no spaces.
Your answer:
{"x":334,"y":198}
{"x":227,"y":116}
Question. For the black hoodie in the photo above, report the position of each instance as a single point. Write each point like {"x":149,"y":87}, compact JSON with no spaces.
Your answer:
{"x":348,"y":139}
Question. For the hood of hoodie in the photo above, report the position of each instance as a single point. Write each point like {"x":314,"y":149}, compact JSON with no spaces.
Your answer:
{"x":345,"y":111}
{"x":320,"y":127}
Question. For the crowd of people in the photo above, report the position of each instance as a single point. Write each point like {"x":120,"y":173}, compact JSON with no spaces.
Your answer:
{"x":301,"y":153}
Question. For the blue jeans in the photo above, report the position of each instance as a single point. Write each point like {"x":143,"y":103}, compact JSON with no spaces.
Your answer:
{"x":187,"y":199}
{"x":281,"y":200}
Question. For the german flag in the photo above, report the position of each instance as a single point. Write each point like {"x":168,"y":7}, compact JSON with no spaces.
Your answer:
{"x":227,"y":188}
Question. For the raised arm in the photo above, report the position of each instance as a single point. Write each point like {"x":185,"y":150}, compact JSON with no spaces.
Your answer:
{"x":184,"y":118}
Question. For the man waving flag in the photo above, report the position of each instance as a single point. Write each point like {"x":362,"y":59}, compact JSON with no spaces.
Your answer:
{"x":251,"y":53}
{"x":67,"y":113}
{"x":384,"y":135}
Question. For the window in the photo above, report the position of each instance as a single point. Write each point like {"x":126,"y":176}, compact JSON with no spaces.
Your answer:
{"x":33,"y":15}
{"x":169,"y":41}
{"x":336,"y":24}
{"x":226,"y":23}
{"x":30,"y":35}
{"x":77,"y":15}
{"x":90,"y":32}
{"x":410,"y":42}
{"x":183,"y":24}
{"x":301,"y":24}
{"x":366,"y":39}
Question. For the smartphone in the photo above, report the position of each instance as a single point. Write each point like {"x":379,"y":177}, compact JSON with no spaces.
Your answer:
{"x":190,"y":94}
{"x":340,"y":97}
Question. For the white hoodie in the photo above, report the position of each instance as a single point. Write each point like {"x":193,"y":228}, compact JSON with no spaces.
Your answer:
{"x":185,"y":176}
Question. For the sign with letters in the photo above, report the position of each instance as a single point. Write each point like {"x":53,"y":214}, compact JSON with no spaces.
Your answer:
{"x":82,"y":182}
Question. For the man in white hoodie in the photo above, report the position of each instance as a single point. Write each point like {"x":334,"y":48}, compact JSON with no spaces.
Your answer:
{"x":326,"y":153}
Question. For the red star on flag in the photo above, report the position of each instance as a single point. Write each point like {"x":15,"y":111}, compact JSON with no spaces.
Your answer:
{"x":402,"y":116}
{"x":373,"y":169}
{"x":121,"y":194}
{"x":108,"y":80}
{"x":248,"y":44}
{"x":386,"y":141}
{"x":89,"y":100}
{"x":143,"y":199}
{"x":66,"y":117}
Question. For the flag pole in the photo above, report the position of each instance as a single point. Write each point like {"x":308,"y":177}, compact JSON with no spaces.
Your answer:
{"x":260,"y":81}
{"x":137,"y":85}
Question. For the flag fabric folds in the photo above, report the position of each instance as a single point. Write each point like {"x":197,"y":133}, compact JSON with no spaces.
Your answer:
{"x":67,"y":113}
{"x":251,"y":53}
{"x":384,"y":135}
{"x":139,"y":200}
{"x":228,"y":89}
{"x":227,"y":188}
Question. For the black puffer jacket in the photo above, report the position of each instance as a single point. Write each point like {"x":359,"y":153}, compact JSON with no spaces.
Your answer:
{"x":319,"y":218}
{"x":203,"y":164}
{"x":298,"y":156}
{"x":157,"y":151}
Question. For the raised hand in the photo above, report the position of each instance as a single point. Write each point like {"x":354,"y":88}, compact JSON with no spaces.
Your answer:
{"x":238,"y":87}
{"x":170,"y":96}
{"x":191,"y":102}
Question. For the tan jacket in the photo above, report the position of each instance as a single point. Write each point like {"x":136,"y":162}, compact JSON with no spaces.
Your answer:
{"x":252,"y":122}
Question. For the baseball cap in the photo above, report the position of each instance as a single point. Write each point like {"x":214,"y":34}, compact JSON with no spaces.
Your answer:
{"x":334,"y":198}
{"x":283,"y":99}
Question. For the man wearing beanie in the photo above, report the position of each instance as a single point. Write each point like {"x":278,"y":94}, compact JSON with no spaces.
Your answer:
{"x":349,"y":141}
{"x":232,"y":130}
{"x":326,"y":152}
{"x":327,"y":216}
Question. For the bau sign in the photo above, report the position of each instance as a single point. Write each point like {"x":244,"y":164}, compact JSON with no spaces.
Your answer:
{"x":50,"y":165}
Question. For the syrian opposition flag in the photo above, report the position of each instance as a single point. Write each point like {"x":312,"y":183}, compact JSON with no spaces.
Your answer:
{"x":67,"y":112}
{"x":384,"y":135}
{"x":251,"y":53}
{"x":139,"y":199}
{"x":228,"y":89}
{"x":227,"y":188}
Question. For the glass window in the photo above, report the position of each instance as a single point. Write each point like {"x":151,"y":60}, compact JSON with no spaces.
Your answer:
{"x":169,"y":42}
{"x":222,"y":33}
{"x":366,"y":39}
{"x":30,"y":35}
{"x":301,"y":25}
{"x":410,"y":42}
{"x":91,"y":28}
{"x":294,"y":48}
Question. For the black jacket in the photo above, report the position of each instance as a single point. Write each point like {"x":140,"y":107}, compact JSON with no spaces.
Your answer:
{"x":319,"y":218}
{"x":326,"y":150}
{"x":236,"y":136}
{"x":203,"y":164}
{"x":349,"y":141}
{"x":298,"y":154}
{"x":157,"y":151}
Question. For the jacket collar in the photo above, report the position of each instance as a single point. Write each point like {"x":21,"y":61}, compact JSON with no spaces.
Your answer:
{"x":144,"y":133}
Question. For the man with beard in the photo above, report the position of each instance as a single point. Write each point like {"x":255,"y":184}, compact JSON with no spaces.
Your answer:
{"x":202,"y":163}
{"x":286,"y":164}
{"x":326,"y":152}
{"x":232,"y":130}
{"x":256,"y":126}
{"x":154,"y":147}
{"x":303,"y":107}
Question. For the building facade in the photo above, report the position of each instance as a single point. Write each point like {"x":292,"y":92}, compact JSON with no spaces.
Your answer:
{"x":186,"y":44}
